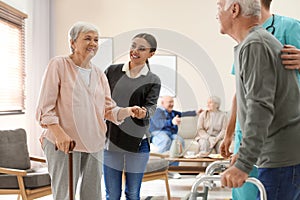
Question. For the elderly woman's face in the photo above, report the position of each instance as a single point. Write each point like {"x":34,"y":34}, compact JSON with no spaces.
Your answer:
{"x":211,"y":105}
{"x":86,"y":44}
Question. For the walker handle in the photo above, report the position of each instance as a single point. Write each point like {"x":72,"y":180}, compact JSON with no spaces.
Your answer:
{"x":255,"y":181}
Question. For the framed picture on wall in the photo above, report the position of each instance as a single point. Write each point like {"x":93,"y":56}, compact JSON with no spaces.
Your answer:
{"x":165,"y":66}
{"x":104,"y":56}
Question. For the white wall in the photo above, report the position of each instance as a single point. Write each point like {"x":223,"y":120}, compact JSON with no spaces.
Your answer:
{"x":193,"y":19}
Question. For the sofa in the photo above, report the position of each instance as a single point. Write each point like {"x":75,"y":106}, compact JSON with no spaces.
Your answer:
{"x":187,"y":130}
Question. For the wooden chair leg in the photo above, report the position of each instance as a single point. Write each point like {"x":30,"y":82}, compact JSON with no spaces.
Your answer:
{"x":167,"y":186}
{"x":22,"y":188}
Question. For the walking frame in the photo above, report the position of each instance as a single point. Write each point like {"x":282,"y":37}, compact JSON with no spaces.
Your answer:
{"x":208,"y":181}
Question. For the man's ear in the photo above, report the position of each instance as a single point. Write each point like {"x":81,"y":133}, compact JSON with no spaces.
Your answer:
{"x":235,"y":10}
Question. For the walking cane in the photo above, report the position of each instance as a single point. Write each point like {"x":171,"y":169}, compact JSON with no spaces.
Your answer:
{"x":72,"y":145}
{"x":70,"y":154}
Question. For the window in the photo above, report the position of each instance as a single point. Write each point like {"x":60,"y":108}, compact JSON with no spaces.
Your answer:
{"x":165,"y":66}
{"x":12,"y":62}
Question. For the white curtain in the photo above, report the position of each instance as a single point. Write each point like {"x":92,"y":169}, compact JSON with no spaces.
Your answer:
{"x":37,"y":54}
{"x":38,"y":48}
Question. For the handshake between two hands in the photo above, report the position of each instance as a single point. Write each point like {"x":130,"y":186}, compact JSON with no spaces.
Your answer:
{"x":137,"y":112}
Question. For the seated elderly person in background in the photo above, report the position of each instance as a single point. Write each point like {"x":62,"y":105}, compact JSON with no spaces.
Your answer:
{"x":164,"y":124}
{"x":164,"y":127}
{"x":211,"y":127}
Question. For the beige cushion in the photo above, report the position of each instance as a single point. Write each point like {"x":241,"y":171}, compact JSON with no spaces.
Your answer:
{"x":188,"y":127}
{"x":188,"y":130}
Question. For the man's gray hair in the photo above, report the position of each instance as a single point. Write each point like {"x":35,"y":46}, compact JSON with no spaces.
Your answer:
{"x":249,"y":8}
{"x":81,"y":27}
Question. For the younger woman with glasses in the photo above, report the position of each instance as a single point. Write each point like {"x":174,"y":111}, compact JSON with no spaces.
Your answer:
{"x":128,"y":146}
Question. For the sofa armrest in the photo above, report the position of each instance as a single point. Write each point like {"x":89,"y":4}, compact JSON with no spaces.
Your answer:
{"x":38,"y":159}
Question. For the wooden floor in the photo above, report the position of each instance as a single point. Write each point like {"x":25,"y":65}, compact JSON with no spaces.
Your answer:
{"x":180,"y":188}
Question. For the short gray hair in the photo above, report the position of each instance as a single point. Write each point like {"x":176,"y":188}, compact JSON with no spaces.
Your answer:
{"x":249,"y":8}
{"x":81,"y":27}
{"x":216,"y":100}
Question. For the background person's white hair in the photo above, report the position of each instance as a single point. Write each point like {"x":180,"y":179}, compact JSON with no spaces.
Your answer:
{"x":216,"y":100}
{"x":249,"y":8}
{"x":81,"y":27}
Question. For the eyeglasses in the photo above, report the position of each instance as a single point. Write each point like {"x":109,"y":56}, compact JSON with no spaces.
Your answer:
{"x":271,"y":28}
{"x":140,"y":48}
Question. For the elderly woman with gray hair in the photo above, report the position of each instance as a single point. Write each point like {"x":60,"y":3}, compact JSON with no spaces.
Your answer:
{"x":74,"y":102}
{"x":211,"y":127}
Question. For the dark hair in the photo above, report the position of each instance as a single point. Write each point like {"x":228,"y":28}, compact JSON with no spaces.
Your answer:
{"x":151,"y":40}
{"x":266,"y":4}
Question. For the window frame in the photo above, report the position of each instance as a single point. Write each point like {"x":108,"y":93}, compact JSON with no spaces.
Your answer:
{"x":13,"y":17}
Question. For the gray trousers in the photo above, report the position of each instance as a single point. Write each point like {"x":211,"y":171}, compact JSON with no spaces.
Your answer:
{"x":87,"y":166}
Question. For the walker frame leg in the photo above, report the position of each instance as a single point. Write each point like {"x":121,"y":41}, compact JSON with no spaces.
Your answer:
{"x":208,"y":178}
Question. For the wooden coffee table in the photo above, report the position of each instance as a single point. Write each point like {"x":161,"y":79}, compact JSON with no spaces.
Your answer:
{"x":202,"y":163}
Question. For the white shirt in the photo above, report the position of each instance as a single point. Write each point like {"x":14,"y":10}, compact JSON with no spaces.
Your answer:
{"x":85,"y":75}
{"x":143,"y":71}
